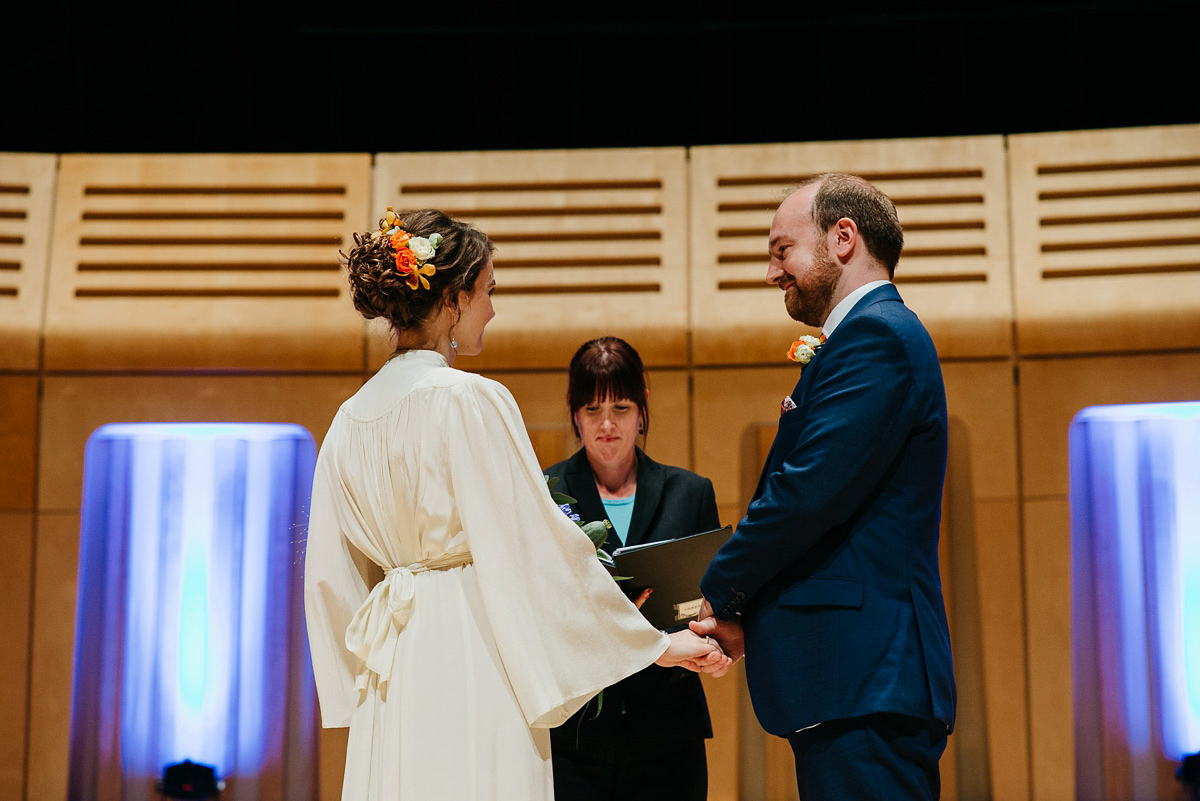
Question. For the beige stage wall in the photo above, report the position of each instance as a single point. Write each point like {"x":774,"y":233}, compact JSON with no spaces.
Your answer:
{"x":1055,"y":271}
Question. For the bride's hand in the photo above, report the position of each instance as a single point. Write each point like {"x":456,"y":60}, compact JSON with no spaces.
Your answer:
{"x":699,"y":654}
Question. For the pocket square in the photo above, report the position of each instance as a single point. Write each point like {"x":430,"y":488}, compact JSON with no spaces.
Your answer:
{"x":787,"y":405}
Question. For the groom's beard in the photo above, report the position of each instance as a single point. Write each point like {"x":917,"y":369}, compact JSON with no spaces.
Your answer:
{"x":808,"y":300}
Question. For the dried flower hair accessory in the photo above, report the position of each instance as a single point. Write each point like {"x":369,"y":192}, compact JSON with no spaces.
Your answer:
{"x":412,"y":252}
{"x":804,"y":348}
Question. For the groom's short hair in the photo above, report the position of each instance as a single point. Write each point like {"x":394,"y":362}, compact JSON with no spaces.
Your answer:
{"x":842,"y":195}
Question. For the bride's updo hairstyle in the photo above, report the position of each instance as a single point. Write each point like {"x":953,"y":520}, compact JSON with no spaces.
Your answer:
{"x":408,"y":295}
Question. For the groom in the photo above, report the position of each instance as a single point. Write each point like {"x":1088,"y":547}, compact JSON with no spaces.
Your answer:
{"x":832,"y":575}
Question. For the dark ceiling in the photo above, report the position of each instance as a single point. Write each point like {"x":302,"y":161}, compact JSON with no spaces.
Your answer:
{"x":358,"y":77}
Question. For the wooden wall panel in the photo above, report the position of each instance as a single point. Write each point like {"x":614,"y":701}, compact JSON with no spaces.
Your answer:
{"x":52,"y":659}
{"x":981,"y":553}
{"x":1106,"y":239}
{"x":952,"y":199}
{"x":589,"y":242}
{"x":1004,"y":655}
{"x":16,"y":577}
{"x":331,"y":748}
{"x":1047,"y":528}
{"x":725,"y":698}
{"x":1053,"y":391}
{"x":982,"y":396}
{"x":26,"y":202}
{"x":18,"y":433}
{"x":541,"y":397}
{"x":204,"y":261}
{"x":731,"y":426}
{"x":75,"y":406}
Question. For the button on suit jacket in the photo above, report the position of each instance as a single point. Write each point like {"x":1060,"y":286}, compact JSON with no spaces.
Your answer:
{"x":834,"y":568}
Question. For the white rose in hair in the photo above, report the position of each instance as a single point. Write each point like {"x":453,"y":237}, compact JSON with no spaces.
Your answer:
{"x":422,"y":248}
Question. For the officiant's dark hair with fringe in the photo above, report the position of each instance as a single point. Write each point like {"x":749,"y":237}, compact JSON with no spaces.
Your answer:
{"x":607,"y":368}
{"x":378,"y":290}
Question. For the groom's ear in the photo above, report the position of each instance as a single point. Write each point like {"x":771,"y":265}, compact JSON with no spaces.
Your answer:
{"x":844,"y":238}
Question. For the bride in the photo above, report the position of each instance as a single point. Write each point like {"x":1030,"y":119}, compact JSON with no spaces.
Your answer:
{"x":454,"y":613}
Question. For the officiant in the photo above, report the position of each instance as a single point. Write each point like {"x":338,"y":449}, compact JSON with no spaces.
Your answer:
{"x":644,"y":739}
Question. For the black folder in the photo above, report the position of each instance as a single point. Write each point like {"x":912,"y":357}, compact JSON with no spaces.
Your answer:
{"x":674,"y":569}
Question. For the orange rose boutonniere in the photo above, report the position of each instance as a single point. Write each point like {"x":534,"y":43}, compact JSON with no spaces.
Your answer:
{"x":804,"y":348}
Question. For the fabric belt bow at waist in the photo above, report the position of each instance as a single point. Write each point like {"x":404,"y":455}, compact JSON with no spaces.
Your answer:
{"x":373,"y":630}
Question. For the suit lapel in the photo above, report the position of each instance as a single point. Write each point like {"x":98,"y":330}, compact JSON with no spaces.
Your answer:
{"x":769,"y":462}
{"x":800,"y":393}
{"x":877,"y":295}
{"x":650,"y":477}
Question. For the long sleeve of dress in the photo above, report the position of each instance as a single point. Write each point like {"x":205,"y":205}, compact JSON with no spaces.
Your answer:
{"x":338,"y":577}
{"x":563,"y":629}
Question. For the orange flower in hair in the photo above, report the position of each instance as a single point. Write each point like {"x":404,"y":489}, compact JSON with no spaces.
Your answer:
{"x":419,"y":275}
{"x":412,"y":252}
{"x":406,"y":261}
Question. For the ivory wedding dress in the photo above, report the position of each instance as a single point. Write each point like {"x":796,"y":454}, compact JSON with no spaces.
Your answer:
{"x":454,"y":613}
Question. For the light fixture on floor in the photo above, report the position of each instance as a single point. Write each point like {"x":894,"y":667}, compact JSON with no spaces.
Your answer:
{"x":1189,"y":775}
{"x":190,"y":780}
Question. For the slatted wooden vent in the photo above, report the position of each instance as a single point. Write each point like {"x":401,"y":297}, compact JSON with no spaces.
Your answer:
{"x":950,"y":194}
{"x":588,"y":243}
{"x":205,"y":261}
{"x":26,"y":198}
{"x":1107,"y":239}
{"x":13,"y":215}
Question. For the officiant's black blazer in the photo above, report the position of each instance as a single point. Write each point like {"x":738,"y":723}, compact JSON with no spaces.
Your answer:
{"x":657,"y":703}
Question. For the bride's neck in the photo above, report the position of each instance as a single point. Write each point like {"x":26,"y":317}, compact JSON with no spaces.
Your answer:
{"x":434,"y":335}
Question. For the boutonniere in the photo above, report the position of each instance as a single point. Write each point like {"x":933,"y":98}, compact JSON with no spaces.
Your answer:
{"x":804,"y":348}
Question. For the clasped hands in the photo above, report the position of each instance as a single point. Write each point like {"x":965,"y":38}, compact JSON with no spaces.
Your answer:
{"x":708,"y":645}
{"x":727,"y":633}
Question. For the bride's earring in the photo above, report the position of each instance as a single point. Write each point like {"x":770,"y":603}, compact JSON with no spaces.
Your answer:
{"x":453,"y":343}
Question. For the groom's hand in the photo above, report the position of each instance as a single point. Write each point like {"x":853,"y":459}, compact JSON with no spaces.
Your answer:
{"x":726,"y":632}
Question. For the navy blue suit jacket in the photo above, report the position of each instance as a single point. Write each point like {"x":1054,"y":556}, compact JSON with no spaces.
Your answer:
{"x":656,"y":703}
{"x":834,"y":568}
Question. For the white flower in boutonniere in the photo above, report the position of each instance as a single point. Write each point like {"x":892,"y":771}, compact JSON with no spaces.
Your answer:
{"x":804,"y":348}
